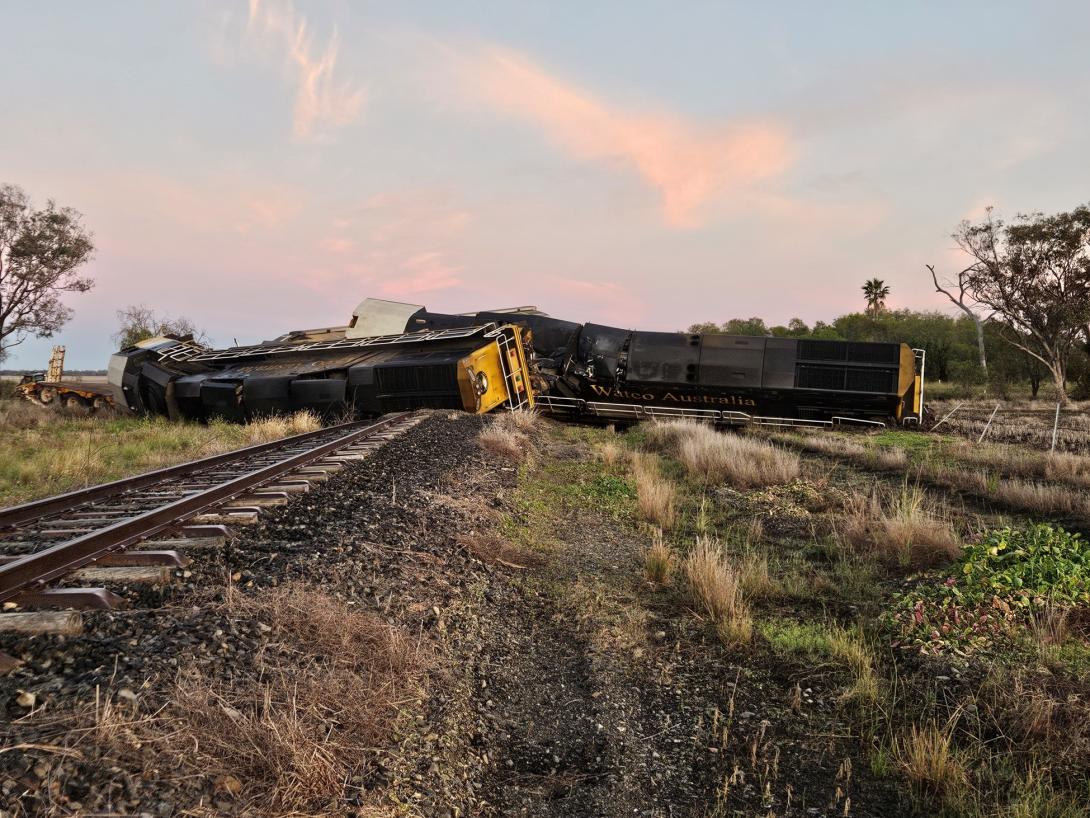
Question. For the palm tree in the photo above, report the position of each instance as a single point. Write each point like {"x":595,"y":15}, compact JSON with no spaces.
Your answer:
{"x":875,"y":291}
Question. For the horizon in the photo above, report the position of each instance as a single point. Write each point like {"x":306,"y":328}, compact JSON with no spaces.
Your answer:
{"x":264,"y":166}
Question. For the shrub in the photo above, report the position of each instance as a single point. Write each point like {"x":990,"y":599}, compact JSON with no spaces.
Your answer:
{"x":1027,"y":567}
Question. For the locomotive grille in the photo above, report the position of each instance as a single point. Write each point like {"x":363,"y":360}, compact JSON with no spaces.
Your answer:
{"x":821,"y":377}
{"x":823,"y":350}
{"x":874,"y":353}
{"x":872,"y":380}
{"x":852,"y":379}
{"x":433,"y":378}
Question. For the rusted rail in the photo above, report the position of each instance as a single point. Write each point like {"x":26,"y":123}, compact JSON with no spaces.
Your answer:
{"x":60,"y":503}
{"x":31,"y":572}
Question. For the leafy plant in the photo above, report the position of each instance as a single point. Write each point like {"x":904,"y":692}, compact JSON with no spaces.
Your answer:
{"x":1026,"y":566}
{"x":1001,"y":580}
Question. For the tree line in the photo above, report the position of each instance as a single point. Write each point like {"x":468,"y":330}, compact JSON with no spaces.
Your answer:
{"x":1024,"y":298}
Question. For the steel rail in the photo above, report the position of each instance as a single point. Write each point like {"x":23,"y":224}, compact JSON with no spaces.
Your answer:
{"x":37,"y":509}
{"x":34,"y":570}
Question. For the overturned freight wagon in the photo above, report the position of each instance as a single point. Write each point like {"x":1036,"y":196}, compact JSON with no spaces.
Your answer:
{"x":395,"y":356}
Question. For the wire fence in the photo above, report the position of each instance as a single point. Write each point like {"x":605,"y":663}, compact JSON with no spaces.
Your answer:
{"x":1053,"y":428}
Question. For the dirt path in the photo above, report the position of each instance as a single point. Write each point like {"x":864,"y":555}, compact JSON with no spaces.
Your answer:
{"x":602,"y":697}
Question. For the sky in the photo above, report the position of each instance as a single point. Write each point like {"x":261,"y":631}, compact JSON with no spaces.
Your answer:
{"x":263,"y":165}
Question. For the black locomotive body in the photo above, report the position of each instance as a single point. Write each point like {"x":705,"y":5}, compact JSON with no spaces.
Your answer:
{"x":394,"y":355}
{"x":732,"y":375}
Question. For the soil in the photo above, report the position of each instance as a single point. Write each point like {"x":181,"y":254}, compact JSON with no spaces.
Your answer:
{"x":563,"y":686}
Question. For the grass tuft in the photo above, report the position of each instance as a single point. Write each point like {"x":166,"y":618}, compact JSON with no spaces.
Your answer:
{"x":659,"y":561}
{"x":718,"y":457}
{"x":656,"y":496}
{"x":928,"y":759}
{"x":716,"y":587}
{"x":904,"y":529}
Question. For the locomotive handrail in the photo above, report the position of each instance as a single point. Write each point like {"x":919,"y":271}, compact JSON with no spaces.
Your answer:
{"x":762,"y":420}
{"x":840,"y":420}
{"x":320,"y":346}
{"x":674,"y":411}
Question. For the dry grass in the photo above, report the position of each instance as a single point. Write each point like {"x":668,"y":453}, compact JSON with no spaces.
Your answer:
{"x":928,"y":759}
{"x":295,"y":735}
{"x":504,"y":442}
{"x":716,"y":587}
{"x":874,"y":457}
{"x":289,"y":738}
{"x":717,"y":457}
{"x":656,"y":496}
{"x":511,"y":434}
{"x":610,"y":453}
{"x":274,"y":427}
{"x":1066,"y":467}
{"x":496,"y":550}
{"x":741,"y":461}
{"x":332,"y":630}
{"x":526,"y":421}
{"x":1013,"y":490}
{"x":1041,"y":498}
{"x":1049,"y":627}
{"x":852,"y":651}
{"x":902,"y":529}
{"x":45,"y":451}
{"x":659,"y":561}
{"x":914,"y":533}
{"x":755,"y":576}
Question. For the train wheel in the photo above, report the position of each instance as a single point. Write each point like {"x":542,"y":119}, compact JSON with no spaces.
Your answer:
{"x":47,"y":394}
{"x":100,"y":404}
{"x":74,"y":403}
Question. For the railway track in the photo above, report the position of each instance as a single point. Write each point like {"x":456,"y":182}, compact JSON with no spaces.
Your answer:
{"x":137,"y":529}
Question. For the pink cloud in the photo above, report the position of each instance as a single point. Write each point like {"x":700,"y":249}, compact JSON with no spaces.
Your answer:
{"x":689,"y":164}
{"x":423,"y":273}
{"x":399,"y":243}
{"x":596,"y":301}
{"x":321,"y":100}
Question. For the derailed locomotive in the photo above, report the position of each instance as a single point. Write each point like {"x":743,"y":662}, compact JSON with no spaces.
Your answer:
{"x":394,"y":356}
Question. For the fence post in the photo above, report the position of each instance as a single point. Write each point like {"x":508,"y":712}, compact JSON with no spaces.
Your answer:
{"x":946,"y":417}
{"x":988,"y":425}
{"x":1055,"y":428}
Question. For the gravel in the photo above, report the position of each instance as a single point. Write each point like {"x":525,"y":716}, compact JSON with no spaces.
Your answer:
{"x":533,"y":707}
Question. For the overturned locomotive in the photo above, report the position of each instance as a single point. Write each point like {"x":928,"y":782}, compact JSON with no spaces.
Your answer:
{"x":394,"y":356}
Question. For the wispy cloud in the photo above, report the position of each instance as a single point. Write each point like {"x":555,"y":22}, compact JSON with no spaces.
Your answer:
{"x":403,"y":243}
{"x":322,"y":101}
{"x":422,"y":273}
{"x":600,"y":300}
{"x":689,"y":164}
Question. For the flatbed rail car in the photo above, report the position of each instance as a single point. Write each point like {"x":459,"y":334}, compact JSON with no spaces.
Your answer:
{"x":69,"y":395}
{"x":474,"y":369}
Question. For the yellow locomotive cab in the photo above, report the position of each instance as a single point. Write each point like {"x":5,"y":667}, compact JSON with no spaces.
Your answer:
{"x":496,"y":374}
